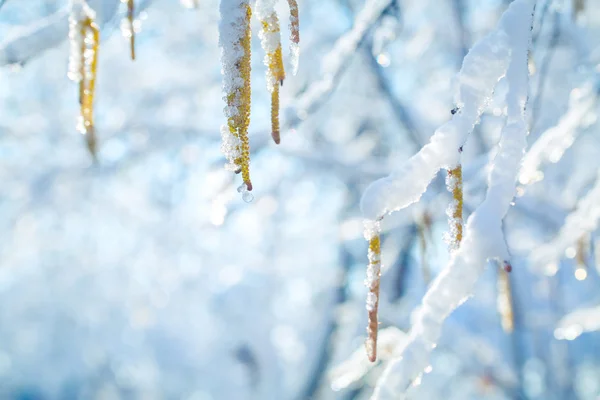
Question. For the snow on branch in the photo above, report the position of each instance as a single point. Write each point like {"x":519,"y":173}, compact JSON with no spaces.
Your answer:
{"x":342,"y":50}
{"x":552,"y":144}
{"x":583,"y":220}
{"x":482,"y":68}
{"x":577,"y":322}
{"x":34,"y":38}
{"x":294,"y":36}
{"x":483,"y":237}
{"x":234,"y":38}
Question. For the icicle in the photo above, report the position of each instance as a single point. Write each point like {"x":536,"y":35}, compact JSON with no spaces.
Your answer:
{"x":455,"y":209}
{"x":271,"y":44}
{"x":504,"y":302}
{"x":294,"y":35}
{"x":234,"y":39}
{"x":84,"y":38}
{"x":372,"y":234}
{"x":127,"y":28}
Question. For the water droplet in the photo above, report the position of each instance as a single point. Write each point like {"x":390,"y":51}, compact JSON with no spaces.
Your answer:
{"x":247,"y":197}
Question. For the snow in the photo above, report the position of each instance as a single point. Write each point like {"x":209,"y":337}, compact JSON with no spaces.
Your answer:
{"x":270,"y":38}
{"x":482,"y":68}
{"x":294,"y":36}
{"x":30,"y":40}
{"x":483,"y":238}
{"x":149,"y":269}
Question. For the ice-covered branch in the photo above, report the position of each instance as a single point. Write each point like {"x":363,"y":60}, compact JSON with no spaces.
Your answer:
{"x":24,"y":43}
{"x":482,"y":68}
{"x":577,"y":322}
{"x":234,"y":39}
{"x":555,"y":141}
{"x":32,"y":39}
{"x":294,"y":36}
{"x":583,"y":220}
{"x":483,"y":237}
{"x":373,"y":236}
{"x":342,"y":50}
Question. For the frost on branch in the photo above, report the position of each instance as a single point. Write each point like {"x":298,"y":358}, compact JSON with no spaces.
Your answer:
{"x":455,"y":209}
{"x":583,"y":220}
{"x":270,"y":38}
{"x":294,"y":36}
{"x":84,"y":37}
{"x":483,"y":237}
{"x":234,"y":40}
{"x":373,"y":236}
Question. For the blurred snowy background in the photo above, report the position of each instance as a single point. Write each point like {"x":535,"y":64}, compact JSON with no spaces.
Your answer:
{"x":147,"y":277}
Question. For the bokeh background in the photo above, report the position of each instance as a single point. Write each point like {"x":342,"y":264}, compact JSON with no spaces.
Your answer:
{"x":145,"y":276}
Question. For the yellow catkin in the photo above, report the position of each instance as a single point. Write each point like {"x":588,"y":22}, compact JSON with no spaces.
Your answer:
{"x":456,"y":215}
{"x":87,"y":85}
{"x":130,"y":13}
{"x":275,"y":134}
{"x":238,"y":124}
{"x":424,"y":233}
{"x":505,"y":306}
{"x":373,"y":325}
{"x":294,"y":22}
{"x":275,"y":74}
{"x":581,"y":251}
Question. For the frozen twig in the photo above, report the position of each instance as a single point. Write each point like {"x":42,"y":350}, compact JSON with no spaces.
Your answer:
{"x":483,"y":237}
